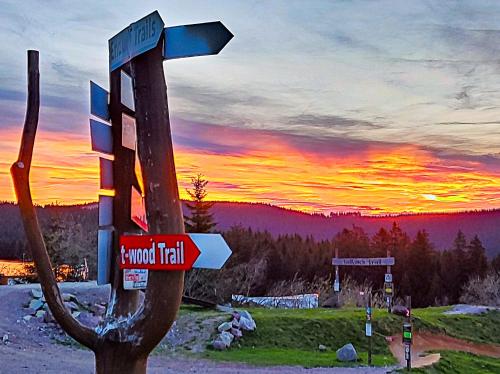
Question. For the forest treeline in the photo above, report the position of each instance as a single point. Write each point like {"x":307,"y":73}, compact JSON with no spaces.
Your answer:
{"x":261,"y":262}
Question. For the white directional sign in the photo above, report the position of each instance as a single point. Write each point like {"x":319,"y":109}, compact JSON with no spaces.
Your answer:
{"x":139,"y":37}
{"x":374,"y":261}
{"x":214,"y":251}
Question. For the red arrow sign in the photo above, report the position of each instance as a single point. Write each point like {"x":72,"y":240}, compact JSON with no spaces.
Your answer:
{"x":157,"y":252}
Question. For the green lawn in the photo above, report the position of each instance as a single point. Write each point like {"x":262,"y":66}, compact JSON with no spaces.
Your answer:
{"x":292,"y":337}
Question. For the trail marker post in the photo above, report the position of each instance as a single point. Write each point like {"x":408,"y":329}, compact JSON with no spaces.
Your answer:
{"x":368,"y":326}
{"x":407,"y":334}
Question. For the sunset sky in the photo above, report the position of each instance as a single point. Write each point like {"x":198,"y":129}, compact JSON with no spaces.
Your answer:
{"x":371,"y":106}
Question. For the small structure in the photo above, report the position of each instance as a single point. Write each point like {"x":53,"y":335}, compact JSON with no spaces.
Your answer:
{"x":15,"y":269}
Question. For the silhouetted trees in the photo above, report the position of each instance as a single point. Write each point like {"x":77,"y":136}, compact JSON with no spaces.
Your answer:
{"x":200,"y":219}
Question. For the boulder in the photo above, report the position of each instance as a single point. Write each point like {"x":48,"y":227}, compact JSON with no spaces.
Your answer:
{"x":36,"y":304}
{"x":399,"y":310}
{"x":37,"y":294}
{"x":235,"y":323}
{"x":322,"y":348}
{"x":218,"y":345}
{"x":236,"y":315}
{"x":247,"y":324}
{"x":347,"y":353}
{"x":226,"y":326}
{"x":226,"y":337}
{"x":236,"y":333}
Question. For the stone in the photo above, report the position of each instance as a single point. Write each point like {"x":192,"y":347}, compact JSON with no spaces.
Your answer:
{"x":71,"y":305}
{"x":236,"y":315}
{"x":226,"y":326}
{"x":76,"y":314}
{"x":219,"y":345}
{"x":236,"y":333}
{"x":399,"y":310}
{"x":322,"y":348}
{"x":347,"y":353}
{"x":5,"y":339}
{"x":37,"y":294}
{"x":235,"y":323}
{"x":36,"y":304}
{"x":69,"y":297}
{"x":40,"y":313}
{"x":246,"y":324}
{"x":226,"y":337}
{"x":27,"y":318}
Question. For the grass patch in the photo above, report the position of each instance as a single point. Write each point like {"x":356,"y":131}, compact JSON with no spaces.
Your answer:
{"x":453,"y":362}
{"x":294,"y":357}
{"x":292,"y":336}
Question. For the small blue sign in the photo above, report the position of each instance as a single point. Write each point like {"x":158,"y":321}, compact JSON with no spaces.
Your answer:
{"x":199,"y":39}
{"x":99,"y":99}
{"x":105,"y":210}
{"x":139,"y":37}
{"x":101,"y":137}
{"x":104,"y":252}
{"x":106,"y":172}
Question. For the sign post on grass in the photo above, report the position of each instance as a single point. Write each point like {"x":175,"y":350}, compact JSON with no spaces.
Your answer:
{"x":407,"y":333}
{"x":368,"y":326}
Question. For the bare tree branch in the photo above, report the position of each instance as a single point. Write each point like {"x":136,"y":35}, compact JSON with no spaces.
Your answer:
{"x":20,"y":174}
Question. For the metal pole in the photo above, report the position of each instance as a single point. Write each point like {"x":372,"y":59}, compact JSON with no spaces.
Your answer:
{"x":369,"y":328}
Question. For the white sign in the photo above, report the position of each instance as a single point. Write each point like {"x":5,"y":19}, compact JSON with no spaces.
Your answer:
{"x":336,"y":286}
{"x":135,"y":279}
{"x":139,"y":37}
{"x":388,"y":278}
{"x":214,"y":251}
{"x":375,"y":261}
{"x":368,"y":329}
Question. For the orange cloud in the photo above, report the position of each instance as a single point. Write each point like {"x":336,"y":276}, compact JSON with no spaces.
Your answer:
{"x":261,"y":166}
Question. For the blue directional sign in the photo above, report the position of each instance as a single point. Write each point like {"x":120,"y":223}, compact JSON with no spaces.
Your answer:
{"x":104,"y":253}
{"x":200,"y":39}
{"x":139,"y":37}
{"x":106,"y":171}
{"x":105,"y":216}
{"x":99,"y":101}
{"x":101,"y":137}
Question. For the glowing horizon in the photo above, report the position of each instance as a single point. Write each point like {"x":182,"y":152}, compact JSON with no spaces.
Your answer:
{"x":376,"y":107}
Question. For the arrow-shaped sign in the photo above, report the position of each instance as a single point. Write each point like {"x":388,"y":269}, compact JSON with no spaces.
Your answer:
{"x":199,"y":39}
{"x":173,"y":252}
{"x":214,"y":251}
{"x":139,"y":37}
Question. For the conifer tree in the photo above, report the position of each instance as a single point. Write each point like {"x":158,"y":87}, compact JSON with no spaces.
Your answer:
{"x":200,"y":219}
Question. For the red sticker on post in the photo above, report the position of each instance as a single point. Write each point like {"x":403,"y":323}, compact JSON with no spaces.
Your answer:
{"x":157,"y":252}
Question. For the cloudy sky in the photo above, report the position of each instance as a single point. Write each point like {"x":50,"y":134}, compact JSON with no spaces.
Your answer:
{"x":373,"y":106}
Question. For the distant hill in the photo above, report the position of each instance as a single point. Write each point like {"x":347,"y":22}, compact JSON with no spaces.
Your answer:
{"x":442,"y":228}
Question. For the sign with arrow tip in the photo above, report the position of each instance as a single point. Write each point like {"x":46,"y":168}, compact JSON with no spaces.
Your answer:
{"x":201,"y":39}
{"x":139,"y":37}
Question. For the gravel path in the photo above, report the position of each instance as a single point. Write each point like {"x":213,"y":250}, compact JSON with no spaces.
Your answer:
{"x":30,"y":349}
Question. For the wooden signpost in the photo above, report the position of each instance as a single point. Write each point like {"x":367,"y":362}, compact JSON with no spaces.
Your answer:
{"x":132,"y":132}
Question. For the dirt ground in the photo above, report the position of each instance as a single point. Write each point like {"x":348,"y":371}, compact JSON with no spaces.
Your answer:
{"x":31,"y":348}
{"x":425,"y":342}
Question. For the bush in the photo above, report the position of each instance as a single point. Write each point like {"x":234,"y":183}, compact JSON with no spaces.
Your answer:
{"x":484,"y":291}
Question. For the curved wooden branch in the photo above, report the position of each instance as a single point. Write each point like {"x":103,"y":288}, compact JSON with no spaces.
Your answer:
{"x":20,"y":174}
